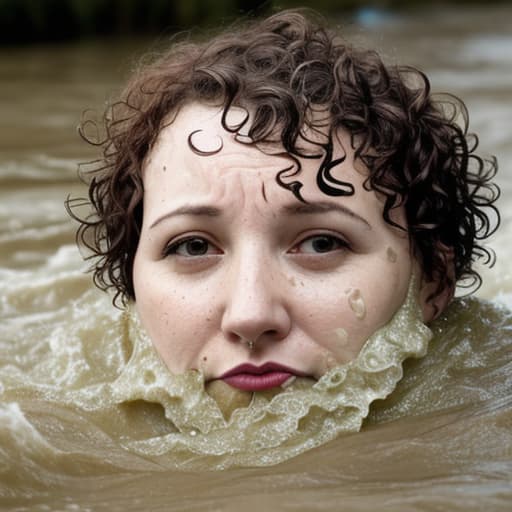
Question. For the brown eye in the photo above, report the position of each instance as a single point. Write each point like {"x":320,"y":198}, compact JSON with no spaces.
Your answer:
{"x":321,"y":244}
{"x":190,"y":247}
{"x":196,"y":247}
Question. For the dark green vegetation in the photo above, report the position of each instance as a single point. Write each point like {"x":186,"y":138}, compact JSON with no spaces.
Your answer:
{"x":30,"y":21}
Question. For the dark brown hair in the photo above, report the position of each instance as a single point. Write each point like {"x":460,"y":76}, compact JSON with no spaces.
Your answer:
{"x":283,"y":68}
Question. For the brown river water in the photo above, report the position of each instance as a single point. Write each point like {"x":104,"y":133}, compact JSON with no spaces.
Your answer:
{"x":86,"y":407}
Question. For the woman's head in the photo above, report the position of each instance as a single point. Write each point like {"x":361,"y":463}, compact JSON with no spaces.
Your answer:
{"x":338,"y":121}
{"x":228,"y":257}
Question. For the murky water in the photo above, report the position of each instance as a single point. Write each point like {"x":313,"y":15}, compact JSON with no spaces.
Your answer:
{"x":441,"y":441}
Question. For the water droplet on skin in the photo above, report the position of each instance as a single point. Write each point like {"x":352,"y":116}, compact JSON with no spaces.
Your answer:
{"x":341,"y":335}
{"x":288,"y":382}
{"x":336,"y":347}
{"x":356,"y":302}
{"x":391,"y":255}
{"x":337,"y":377}
{"x":330,"y":361}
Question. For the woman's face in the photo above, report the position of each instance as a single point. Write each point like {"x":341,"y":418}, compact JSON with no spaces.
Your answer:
{"x":232,"y":269}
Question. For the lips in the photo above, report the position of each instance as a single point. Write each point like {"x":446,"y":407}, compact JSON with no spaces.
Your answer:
{"x":248,"y":377}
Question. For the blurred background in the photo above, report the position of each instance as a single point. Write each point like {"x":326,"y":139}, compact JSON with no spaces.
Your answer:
{"x":29,"y":21}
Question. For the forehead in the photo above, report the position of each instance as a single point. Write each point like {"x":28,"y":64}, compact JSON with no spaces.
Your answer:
{"x":196,"y":161}
{"x":195,"y":145}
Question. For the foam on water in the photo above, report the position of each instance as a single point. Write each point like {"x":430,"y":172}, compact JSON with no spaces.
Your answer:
{"x":269,"y":431}
{"x":192,"y":428}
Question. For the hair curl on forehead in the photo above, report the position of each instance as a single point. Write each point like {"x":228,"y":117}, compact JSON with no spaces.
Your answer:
{"x":286,"y":69}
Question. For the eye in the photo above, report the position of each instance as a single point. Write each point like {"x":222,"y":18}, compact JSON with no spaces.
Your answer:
{"x":320,"y":244}
{"x":191,"y":247}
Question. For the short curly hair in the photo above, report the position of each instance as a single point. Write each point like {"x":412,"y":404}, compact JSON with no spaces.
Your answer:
{"x":417,"y":149}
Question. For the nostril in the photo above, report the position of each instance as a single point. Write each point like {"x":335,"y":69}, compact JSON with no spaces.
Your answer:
{"x":265,"y":321}
{"x":270,"y":335}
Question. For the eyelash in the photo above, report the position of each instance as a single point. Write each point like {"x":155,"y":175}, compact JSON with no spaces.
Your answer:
{"x":340,"y":242}
{"x":173,"y":248}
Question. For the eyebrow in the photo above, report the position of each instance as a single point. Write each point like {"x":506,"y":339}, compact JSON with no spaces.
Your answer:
{"x":201,"y":210}
{"x":322,"y":207}
{"x":291,"y":209}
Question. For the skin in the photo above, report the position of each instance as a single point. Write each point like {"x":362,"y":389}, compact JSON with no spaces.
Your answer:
{"x":261,"y":265}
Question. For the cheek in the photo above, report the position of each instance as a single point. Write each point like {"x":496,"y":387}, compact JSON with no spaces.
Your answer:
{"x":353,"y":306}
{"x":174,"y":317}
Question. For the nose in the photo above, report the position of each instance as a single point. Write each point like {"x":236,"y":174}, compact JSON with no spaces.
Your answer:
{"x":255,"y":308}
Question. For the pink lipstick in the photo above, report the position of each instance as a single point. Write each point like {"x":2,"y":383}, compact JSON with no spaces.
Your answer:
{"x":248,"y":377}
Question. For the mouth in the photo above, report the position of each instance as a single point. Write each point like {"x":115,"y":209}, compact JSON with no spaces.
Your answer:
{"x":248,"y":377}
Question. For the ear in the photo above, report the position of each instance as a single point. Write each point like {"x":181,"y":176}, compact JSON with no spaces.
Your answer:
{"x":433,"y":302}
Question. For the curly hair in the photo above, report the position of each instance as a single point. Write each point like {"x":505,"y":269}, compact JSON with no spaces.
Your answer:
{"x":285,"y":68}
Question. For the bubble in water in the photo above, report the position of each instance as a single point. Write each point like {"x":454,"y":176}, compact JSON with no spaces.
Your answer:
{"x":356,"y":302}
{"x":373,"y":361}
{"x":149,"y":377}
{"x":336,"y":377}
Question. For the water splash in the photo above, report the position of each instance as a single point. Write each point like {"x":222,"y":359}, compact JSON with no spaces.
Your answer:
{"x":177,"y":421}
{"x":356,"y":302}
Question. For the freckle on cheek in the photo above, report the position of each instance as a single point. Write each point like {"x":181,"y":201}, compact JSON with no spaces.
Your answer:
{"x":356,"y":302}
{"x":391,"y":255}
{"x":292,"y":280}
